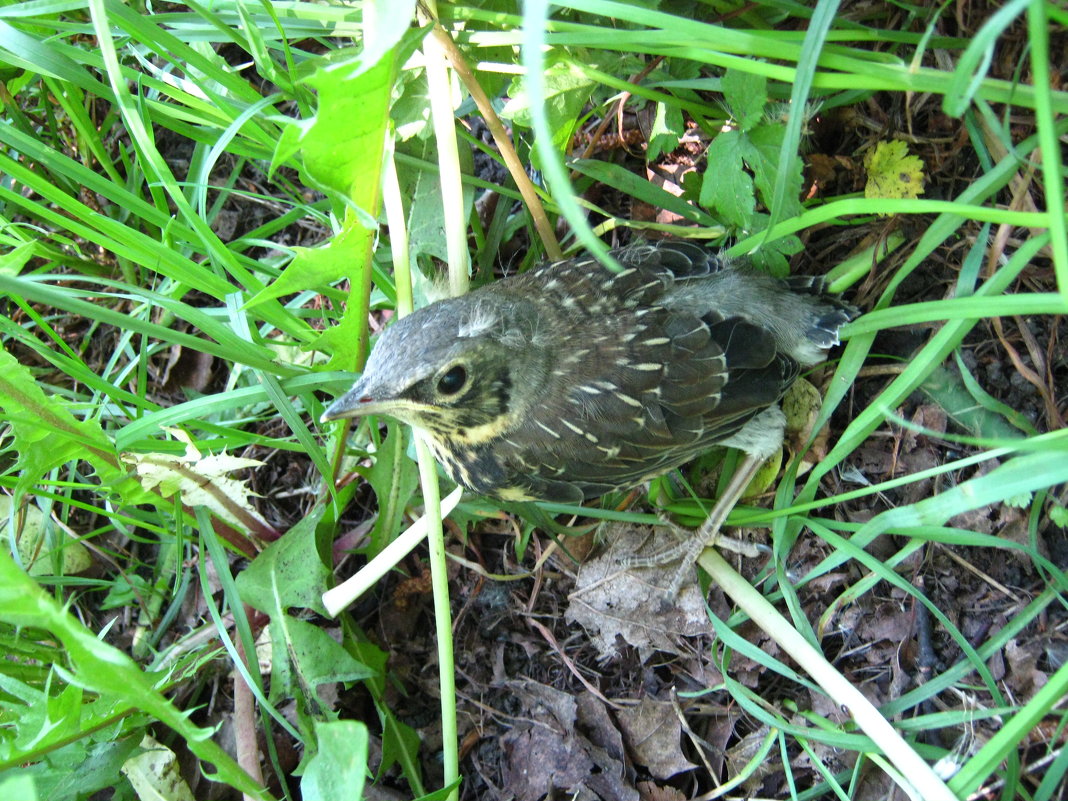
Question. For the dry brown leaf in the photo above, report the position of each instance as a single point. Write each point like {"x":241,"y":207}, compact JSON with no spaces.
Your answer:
{"x":654,"y":733}
{"x":612,"y":601}
{"x":553,"y":752}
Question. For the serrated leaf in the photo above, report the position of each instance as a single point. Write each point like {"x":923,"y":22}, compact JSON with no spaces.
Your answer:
{"x":567,"y":90}
{"x":340,"y":256}
{"x":764,"y":158}
{"x":342,"y":149}
{"x":727,"y":188}
{"x":668,"y":128}
{"x":289,"y":573}
{"x":1059,"y":515}
{"x":35,"y":719}
{"x":201,"y":481}
{"x":746,"y":94}
{"x":106,"y":670}
{"x":342,"y":145}
{"x":47,"y":435}
{"x":1020,"y":500}
{"x":338,"y":339}
{"x":892,"y":172}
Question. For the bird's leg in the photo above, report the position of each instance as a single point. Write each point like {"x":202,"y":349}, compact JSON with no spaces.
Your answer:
{"x":708,"y":535}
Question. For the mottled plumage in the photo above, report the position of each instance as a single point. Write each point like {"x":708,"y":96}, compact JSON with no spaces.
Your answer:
{"x":570,"y":380}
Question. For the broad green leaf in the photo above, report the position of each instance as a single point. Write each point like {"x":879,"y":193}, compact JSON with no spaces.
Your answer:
{"x":763,"y":155}
{"x":746,"y":94}
{"x":772,"y":256}
{"x":421,"y":189}
{"x":338,"y":770}
{"x":567,"y":90}
{"x":81,"y":769}
{"x":727,"y":188}
{"x":668,"y":128}
{"x":289,"y":573}
{"x":106,"y":670}
{"x":318,"y":658}
{"x":19,"y":785}
{"x":342,"y":149}
{"x":410,"y":113}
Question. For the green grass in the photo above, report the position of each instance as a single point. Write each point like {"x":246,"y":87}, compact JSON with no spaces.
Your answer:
{"x":219,"y":180}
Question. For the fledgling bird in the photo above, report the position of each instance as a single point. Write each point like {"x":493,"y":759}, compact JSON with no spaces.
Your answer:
{"x":571,"y":380}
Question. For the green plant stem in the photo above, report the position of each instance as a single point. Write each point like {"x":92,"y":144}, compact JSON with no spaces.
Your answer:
{"x":452,"y":198}
{"x":923,"y":781}
{"x":439,"y":580}
{"x":1052,"y":175}
{"x":535,"y":21}
{"x":504,"y":143}
{"x":456,"y":246}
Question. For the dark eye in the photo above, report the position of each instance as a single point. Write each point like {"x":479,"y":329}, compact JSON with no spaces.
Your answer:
{"x":453,"y":381}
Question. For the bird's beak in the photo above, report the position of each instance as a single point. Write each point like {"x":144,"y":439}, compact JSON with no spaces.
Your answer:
{"x":353,"y":403}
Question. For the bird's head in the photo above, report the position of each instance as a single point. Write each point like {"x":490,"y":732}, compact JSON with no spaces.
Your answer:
{"x":453,"y":368}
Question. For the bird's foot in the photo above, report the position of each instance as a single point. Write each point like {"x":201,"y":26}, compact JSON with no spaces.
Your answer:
{"x":685,"y":552}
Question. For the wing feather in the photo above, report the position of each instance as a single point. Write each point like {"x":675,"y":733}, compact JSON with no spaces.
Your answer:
{"x":650,"y":388}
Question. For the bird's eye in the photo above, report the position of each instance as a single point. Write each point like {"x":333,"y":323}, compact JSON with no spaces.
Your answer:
{"x":453,"y":380}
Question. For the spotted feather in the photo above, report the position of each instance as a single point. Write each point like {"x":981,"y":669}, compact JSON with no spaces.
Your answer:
{"x":570,"y":380}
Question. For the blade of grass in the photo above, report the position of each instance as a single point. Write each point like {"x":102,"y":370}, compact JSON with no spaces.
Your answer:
{"x":917,"y":773}
{"x":535,"y":19}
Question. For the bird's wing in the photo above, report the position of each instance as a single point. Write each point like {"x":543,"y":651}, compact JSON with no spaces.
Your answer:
{"x":638,"y":388}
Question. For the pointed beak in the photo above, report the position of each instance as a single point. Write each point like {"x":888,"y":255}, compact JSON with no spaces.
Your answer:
{"x":354,"y":403}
